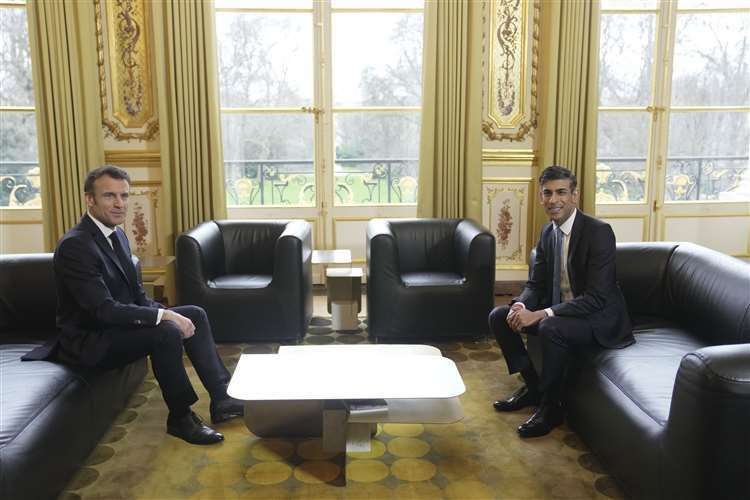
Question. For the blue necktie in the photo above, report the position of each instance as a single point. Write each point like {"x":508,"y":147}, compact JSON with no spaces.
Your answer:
{"x":557,"y":268}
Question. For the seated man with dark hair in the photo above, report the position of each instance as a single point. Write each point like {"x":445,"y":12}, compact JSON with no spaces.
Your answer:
{"x":105,"y":319}
{"x":571,"y":299}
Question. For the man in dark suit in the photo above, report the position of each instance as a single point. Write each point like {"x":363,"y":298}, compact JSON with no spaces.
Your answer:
{"x":106,"y":321}
{"x":571,"y":299}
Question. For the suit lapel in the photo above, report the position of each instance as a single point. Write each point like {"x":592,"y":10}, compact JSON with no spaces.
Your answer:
{"x":104,"y":244}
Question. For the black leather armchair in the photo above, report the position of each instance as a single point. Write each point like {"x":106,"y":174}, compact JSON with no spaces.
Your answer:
{"x":429,"y":278}
{"x":253,"y":278}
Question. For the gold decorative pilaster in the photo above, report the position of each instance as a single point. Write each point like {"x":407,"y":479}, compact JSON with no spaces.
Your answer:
{"x":125,"y":77}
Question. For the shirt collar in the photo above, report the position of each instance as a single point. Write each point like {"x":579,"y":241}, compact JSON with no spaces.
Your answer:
{"x":567,"y":226}
{"x":106,"y":231}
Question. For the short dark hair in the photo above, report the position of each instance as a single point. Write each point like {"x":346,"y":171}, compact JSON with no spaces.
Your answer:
{"x":109,"y":170}
{"x":558,"y":173}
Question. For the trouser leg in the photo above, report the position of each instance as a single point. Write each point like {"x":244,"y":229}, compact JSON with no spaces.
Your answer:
{"x":163,"y":344}
{"x":202,"y":352}
{"x":511,"y":343}
{"x":558,"y":335}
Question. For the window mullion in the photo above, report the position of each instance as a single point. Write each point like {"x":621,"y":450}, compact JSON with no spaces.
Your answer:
{"x":657,"y":163}
{"x":324,"y":124}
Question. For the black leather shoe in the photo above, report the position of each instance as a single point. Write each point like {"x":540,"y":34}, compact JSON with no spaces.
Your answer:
{"x":522,"y":398}
{"x":546,"y":418}
{"x":226,"y":408}
{"x":191,"y":428}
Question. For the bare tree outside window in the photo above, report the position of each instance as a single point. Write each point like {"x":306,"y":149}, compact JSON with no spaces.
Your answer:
{"x":708,"y":126}
{"x":266,"y":71}
{"x":19,"y":164}
{"x":377,"y":64}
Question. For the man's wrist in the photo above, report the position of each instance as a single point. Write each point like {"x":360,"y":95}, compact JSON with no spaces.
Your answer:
{"x":548,"y":312}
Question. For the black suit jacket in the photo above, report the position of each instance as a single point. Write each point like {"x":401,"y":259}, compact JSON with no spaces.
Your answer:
{"x":593,"y":281}
{"x":95,"y":294}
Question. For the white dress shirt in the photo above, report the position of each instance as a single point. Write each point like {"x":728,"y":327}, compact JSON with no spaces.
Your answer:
{"x":566,"y":228}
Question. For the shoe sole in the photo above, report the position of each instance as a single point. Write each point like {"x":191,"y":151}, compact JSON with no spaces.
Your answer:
{"x":224,"y":418}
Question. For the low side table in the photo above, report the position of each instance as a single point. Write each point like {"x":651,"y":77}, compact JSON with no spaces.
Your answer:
{"x":157,"y":272}
{"x":332,"y":257}
{"x":344,"y":296}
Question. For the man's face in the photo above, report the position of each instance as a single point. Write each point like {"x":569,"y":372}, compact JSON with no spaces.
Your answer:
{"x":109,"y":201}
{"x":558,"y":200}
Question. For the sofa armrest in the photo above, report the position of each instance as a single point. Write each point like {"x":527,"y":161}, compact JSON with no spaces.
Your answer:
{"x":475,"y":250}
{"x":707,"y":435}
{"x":292,"y":253}
{"x":199,"y":258}
{"x":382,"y":253}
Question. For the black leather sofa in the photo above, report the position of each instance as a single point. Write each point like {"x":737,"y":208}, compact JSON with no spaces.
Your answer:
{"x":429,"y":279}
{"x":670,"y":415}
{"x":253,"y":277}
{"x":51,"y":415}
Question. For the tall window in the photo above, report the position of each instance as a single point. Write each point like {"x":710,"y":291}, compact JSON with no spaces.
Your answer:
{"x":19,"y":165}
{"x":320,"y":100}
{"x":377,"y":94}
{"x":674,"y":101}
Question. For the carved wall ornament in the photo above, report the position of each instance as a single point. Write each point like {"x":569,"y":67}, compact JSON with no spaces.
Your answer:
{"x":510,"y":95}
{"x":125,"y":76}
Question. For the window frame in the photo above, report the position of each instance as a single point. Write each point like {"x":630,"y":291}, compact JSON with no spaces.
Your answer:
{"x":22,"y":5}
{"x":661,"y":107}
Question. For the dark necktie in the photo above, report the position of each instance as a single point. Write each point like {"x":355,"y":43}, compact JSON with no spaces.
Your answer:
{"x":125,"y":261}
{"x":557,"y":268}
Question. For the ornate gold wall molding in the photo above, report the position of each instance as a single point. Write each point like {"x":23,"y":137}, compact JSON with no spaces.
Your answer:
{"x":520,"y":157}
{"x":511,"y":96}
{"x":126,"y":90}
{"x":125,"y":158}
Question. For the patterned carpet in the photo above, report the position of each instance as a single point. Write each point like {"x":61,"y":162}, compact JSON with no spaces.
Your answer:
{"x":477,"y":458}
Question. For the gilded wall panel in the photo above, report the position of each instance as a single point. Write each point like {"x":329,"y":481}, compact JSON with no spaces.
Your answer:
{"x":510,"y":45}
{"x":126,"y":87}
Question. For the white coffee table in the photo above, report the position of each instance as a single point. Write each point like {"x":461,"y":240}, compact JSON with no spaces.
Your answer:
{"x":340,"y":392}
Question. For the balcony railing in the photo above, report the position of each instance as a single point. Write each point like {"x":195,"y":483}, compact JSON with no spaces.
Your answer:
{"x":394,"y":180}
{"x":19,"y":184}
{"x":688,"y":178}
{"x":292,"y":182}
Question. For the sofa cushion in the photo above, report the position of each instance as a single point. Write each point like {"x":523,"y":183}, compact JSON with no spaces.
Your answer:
{"x":27,"y":388}
{"x":52,"y":417}
{"x":645,"y":372}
